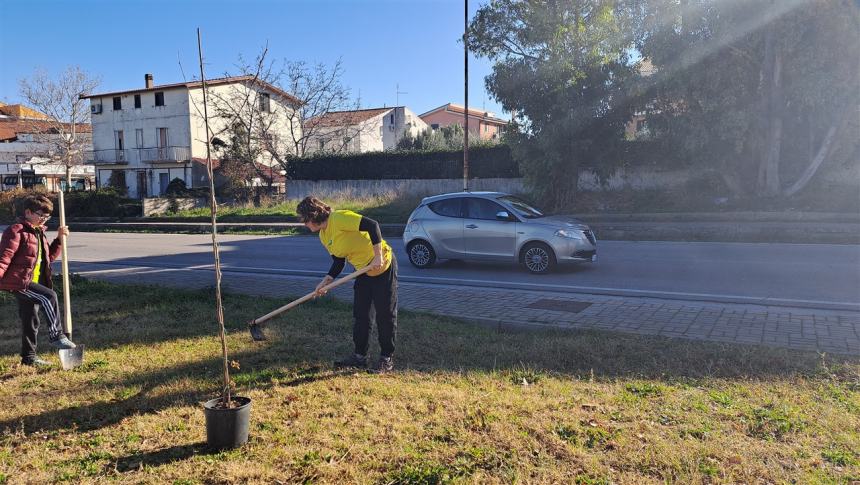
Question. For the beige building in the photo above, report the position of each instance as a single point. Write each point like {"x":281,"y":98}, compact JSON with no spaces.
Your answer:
{"x":481,"y":123}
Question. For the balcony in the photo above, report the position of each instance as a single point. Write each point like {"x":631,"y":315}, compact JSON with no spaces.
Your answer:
{"x":140,"y":155}
{"x":112,"y":157}
{"x":165,"y":154}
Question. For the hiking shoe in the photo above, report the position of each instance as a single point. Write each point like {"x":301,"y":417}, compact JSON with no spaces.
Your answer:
{"x":36,"y":362}
{"x":354,"y":360}
{"x":63,"y":343}
{"x":384,"y":366}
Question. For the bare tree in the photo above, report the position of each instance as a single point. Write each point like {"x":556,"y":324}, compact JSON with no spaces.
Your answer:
{"x":273,"y":134}
{"x":64,"y":131}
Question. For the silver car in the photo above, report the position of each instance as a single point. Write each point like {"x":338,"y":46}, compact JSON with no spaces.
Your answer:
{"x":494,"y":226}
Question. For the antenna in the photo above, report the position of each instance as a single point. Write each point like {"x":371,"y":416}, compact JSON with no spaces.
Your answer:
{"x":397,"y":93}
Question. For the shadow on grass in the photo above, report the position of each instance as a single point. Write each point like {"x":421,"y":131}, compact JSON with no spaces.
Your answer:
{"x":161,"y":457}
{"x":262,"y":369}
{"x":299,"y":351}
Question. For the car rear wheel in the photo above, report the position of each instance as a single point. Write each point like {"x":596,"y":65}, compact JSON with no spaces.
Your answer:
{"x":538,"y":258}
{"x":421,"y":254}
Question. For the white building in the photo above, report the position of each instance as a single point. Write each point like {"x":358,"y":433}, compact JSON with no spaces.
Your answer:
{"x":364,"y":130}
{"x":144,"y":138}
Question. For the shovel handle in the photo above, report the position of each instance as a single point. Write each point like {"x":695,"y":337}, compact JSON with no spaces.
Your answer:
{"x":67,"y":297}
{"x":310,"y":296}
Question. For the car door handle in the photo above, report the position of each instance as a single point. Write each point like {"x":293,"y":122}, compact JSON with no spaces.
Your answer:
{"x":471,"y":226}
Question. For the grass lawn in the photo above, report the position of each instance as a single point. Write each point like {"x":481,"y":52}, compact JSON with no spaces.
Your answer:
{"x":468,"y":405}
{"x":385,"y":208}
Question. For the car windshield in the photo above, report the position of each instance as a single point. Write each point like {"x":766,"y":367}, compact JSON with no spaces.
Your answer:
{"x":521,"y":207}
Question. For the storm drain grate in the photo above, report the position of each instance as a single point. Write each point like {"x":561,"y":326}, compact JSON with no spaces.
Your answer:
{"x":560,"y":305}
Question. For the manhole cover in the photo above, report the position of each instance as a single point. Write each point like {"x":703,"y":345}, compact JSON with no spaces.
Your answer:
{"x":560,"y":305}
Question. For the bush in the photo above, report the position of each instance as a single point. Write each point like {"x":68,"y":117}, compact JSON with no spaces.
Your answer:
{"x":104,"y":202}
{"x":176,"y":188}
{"x":9,"y":200}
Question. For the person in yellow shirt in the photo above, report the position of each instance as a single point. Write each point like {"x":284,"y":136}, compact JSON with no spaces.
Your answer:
{"x":351,"y":237}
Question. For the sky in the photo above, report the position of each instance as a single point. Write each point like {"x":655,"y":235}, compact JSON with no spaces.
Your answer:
{"x":383,"y":44}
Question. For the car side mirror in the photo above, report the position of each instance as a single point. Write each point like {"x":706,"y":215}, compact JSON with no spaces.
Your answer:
{"x":503,"y":216}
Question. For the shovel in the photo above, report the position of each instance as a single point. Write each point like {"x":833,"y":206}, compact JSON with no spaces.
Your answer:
{"x":255,"y":325}
{"x":69,"y":358}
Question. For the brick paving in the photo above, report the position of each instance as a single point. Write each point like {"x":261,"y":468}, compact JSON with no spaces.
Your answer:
{"x":797,"y":328}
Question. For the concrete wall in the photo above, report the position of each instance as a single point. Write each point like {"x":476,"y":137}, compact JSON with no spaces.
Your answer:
{"x":420,"y":188}
{"x":645,"y":179}
{"x":620,"y":179}
{"x":156,"y":205}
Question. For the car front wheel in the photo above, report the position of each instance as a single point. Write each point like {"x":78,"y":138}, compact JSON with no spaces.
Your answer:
{"x":538,"y":258}
{"x":421,"y":254}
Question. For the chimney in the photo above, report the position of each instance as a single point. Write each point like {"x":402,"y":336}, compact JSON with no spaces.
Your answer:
{"x":148,"y":79}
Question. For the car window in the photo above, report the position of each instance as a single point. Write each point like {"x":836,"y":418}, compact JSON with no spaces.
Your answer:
{"x":482,"y":209}
{"x":447,"y":207}
{"x":522,"y":207}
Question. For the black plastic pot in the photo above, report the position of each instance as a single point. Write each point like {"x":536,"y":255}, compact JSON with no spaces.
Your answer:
{"x":227,"y":428}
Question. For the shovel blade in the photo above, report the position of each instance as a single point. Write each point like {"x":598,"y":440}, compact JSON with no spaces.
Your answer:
{"x":71,"y":358}
{"x":257,"y":332}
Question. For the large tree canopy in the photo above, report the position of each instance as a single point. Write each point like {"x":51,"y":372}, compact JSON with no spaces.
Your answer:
{"x":765,"y":92}
{"x":562,"y":67}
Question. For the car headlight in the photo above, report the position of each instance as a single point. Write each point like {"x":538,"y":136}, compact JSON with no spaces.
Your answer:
{"x":569,"y":234}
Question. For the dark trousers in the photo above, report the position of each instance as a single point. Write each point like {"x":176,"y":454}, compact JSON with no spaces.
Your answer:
{"x":29,"y":302}
{"x":375,"y":294}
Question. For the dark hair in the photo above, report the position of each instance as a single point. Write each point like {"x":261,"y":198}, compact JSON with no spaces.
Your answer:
{"x":35,"y":202}
{"x":313,"y":210}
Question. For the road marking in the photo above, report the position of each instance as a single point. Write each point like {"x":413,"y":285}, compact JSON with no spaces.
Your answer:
{"x":596,"y":290}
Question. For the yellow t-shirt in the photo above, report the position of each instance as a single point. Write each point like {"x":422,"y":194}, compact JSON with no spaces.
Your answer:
{"x":342,"y":239}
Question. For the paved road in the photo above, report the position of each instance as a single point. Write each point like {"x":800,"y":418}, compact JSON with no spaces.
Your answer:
{"x":801,"y":275}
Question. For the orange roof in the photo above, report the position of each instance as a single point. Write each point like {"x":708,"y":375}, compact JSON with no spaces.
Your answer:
{"x":10,"y":128}
{"x":209,"y":82}
{"x":21,"y":111}
{"x":346,"y":118}
{"x":456,"y":108}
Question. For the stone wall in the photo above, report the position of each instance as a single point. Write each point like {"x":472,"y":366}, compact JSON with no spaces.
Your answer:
{"x":162,"y":205}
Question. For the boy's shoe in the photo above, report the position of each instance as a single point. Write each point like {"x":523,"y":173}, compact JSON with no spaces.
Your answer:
{"x":384,"y":366}
{"x":63,"y":343}
{"x":354,"y":360}
{"x":36,"y":362}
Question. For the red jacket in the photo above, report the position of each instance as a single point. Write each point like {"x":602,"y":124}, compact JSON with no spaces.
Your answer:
{"x":18,"y":252}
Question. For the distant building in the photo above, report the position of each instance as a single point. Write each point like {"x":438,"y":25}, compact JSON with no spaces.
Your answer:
{"x":144,"y":138}
{"x":363,"y":130}
{"x":27,"y":140}
{"x":481,"y":123}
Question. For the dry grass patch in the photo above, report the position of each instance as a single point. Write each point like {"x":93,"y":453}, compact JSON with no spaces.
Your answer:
{"x":386,"y":207}
{"x":468,"y":405}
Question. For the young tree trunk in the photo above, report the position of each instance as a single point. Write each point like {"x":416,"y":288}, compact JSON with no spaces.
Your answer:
{"x":822,"y":154}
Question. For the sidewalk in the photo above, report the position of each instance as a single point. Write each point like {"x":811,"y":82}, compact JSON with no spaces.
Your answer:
{"x":803,"y":329}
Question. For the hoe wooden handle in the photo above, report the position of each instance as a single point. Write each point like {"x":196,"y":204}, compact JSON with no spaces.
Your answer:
{"x":67,"y":303}
{"x":310,"y":296}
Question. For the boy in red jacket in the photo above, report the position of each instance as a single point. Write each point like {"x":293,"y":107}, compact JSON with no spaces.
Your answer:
{"x":25,"y":271}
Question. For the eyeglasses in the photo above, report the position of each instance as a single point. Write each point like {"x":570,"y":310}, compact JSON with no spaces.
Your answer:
{"x":42,"y":215}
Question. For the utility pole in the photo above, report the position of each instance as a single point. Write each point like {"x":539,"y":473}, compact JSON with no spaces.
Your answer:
{"x":466,"y":110}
